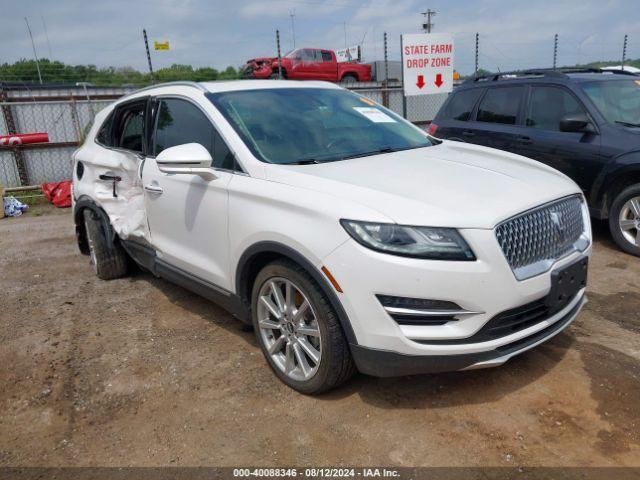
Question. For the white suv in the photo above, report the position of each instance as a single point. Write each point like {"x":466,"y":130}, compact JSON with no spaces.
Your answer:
{"x":349,"y":238}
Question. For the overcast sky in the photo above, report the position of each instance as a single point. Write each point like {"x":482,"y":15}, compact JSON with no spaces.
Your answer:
{"x":513,"y":34}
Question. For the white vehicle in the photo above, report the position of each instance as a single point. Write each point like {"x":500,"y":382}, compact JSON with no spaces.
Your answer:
{"x":349,"y":238}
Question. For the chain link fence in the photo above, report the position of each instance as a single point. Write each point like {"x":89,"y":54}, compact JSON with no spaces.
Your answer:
{"x":419,"y":110}
{"x":67,"y":119}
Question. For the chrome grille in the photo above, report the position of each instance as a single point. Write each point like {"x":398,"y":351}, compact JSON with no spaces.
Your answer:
{"x":533,"y":238}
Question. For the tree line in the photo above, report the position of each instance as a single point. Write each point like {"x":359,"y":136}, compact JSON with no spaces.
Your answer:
{"x":26,"y":71}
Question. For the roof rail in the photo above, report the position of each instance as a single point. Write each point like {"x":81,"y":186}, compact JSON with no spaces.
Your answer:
{"x":183,"y":83}
{"x":597,"y":70}
{"x":492,"y":77}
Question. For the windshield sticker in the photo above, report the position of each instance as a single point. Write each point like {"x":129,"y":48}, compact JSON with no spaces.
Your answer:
{"x":637,"y":81}
{"x":375,"y":115}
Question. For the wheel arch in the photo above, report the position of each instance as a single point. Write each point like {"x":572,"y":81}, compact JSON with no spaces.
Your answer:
{"x":611,"y":184}
{"x":260,"y":254}
{"x":275,"y":71}
{"x":86,"y":203}
{"x":350,"y":73}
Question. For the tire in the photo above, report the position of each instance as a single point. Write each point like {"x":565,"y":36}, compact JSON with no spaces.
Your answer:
{"x":108,"y":263}
{"x":348,"y":79}
{"x":335,"y":365}
{"x":624,"y":220}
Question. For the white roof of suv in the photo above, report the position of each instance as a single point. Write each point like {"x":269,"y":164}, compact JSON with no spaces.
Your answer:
{"x":234,"y":85}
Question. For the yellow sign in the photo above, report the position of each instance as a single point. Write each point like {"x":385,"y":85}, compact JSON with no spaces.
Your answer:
{"x":161,"y":45}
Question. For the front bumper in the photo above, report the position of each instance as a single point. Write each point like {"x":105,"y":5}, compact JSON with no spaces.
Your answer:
{"x":485,"y":288}
{"x":383,"y":363}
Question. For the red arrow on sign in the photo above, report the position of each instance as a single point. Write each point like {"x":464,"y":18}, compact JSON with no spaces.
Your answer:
{"x":420,"y":83}
{"x":438,"y":81}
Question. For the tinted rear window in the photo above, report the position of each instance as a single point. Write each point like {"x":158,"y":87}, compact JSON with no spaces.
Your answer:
{"x":500,"y":105}
{"x":462,"y":104}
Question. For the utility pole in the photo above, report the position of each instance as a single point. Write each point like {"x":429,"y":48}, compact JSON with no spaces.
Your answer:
{"x":146,"y":46}
{"x":33,"y":45}
{"x":344,"y":24}
{"x":292,"y":14}
{"x":279,"y":54}
{"x":477,"y":49}
{"x":624,"y":50}
{"x":428,"y":25}
{"x":555,"y":51}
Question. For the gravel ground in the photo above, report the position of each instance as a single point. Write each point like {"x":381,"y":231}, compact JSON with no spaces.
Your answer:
{"x":141,"y":372}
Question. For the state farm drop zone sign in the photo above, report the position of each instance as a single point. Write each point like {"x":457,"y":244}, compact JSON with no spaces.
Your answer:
{"x":427,"y":63}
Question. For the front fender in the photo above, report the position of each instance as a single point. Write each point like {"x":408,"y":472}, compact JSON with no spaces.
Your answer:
{"x":243,"y":270}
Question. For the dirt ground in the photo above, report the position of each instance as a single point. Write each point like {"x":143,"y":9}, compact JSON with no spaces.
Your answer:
{"x":141,"y":372}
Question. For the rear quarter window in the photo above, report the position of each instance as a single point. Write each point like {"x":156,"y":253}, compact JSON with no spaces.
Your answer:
{"x":104,"y":134}
{"x":461,"y":104}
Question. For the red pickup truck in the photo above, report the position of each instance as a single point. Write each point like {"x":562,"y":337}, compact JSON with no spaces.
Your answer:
{"x":308,"y":64}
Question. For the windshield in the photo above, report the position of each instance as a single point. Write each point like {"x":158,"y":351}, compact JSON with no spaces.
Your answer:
{"x":618,"y":101}
{"x":307,"y":125}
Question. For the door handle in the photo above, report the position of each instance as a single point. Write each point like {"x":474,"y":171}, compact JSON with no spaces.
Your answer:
{"x":524,"y":140}
{"x":111,"y":178}
{"x":154,"y":189}
{"x":468,"y":134}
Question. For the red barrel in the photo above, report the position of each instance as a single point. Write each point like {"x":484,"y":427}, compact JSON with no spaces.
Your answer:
{"x":23,"y":138}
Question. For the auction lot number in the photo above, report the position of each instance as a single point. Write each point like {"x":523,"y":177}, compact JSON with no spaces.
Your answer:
{"x":315,"y":472}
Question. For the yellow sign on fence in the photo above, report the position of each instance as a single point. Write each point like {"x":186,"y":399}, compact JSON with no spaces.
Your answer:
{"x":161,"y":45}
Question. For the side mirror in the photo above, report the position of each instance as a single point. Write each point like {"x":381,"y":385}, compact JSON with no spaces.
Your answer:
{"x":189,"y":158}
{"x":576,"y":123}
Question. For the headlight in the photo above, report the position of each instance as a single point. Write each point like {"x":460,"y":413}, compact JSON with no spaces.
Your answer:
{"x":420,"y":242}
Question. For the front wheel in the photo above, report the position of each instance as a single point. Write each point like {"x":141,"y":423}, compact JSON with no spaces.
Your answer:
{"x":298,"y":330}
{"x":624,"y":220}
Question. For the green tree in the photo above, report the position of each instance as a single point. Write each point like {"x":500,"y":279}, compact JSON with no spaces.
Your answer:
{"x":25,"y":71}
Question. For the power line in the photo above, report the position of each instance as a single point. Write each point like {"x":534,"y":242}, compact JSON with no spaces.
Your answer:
{"x":46,"y":35}
{"x":34,"y":49}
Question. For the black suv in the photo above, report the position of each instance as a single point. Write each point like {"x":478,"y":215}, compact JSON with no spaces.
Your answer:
{"x":585,"y":123}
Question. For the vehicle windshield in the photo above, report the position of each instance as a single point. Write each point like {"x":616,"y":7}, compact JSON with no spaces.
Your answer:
{"x":309,"y":125}
{"x":618,"y":101}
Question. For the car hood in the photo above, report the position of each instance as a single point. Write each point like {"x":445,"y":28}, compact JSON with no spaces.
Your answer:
{"x":451,"y":184}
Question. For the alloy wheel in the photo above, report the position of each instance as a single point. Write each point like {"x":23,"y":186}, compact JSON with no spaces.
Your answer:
{"x":629,"y":221}
{"x":92,"y":248}
{"x":289,"y":328}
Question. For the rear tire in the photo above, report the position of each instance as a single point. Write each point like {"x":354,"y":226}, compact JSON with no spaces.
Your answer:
{"x":335,"y":365}
{"x":624,"y":220}
{"x":108,"y":262}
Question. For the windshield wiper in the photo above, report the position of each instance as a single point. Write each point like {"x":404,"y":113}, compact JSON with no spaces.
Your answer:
{"x":368,"y":154}
{"x":382,"y":150}
{"x":306,"y":161}
{"x":627,"y":124}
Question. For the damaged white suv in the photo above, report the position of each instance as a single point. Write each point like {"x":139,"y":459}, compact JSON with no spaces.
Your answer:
{"x":349,"y":238}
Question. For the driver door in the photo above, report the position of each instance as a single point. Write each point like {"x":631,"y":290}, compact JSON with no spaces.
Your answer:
{"x":188,"y":215}
{"x":576,"y":154}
